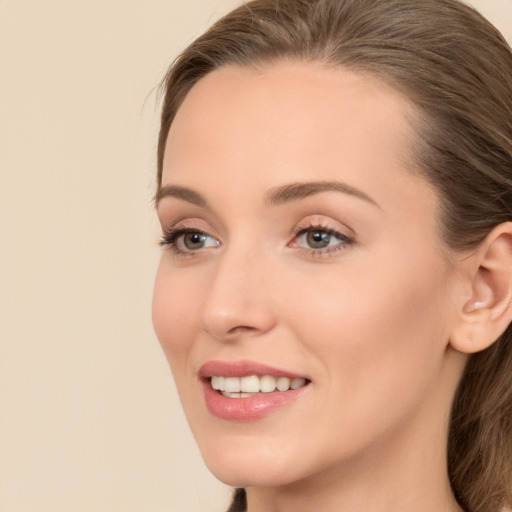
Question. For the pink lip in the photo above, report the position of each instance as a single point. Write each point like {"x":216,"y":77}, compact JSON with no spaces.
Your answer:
{"x":251,"y":408}
{"x":243,"y":369}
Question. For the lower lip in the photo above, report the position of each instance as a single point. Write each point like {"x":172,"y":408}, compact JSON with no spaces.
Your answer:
{"x":251,"y":408}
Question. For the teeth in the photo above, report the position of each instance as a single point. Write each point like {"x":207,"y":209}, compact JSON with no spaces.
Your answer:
{"x":236,"y":387}
{"x":238,"y":395}
{"x":267,"y":384}
{"x":250,"y":384}
{"x":283,"y":384}
{"x":232,"y":385}
{"x":218,"y":383}
{"x":297,"y":383}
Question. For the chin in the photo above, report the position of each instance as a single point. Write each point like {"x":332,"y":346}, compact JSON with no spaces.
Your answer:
{"x":259,"y":465}
{"x":244,"y":475}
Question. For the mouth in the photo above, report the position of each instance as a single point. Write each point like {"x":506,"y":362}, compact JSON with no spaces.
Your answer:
{"x":245,"y":390}
{"x":254,"y":385}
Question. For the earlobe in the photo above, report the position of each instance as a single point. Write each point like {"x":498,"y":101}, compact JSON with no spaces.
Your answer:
{"x":487,"y":312}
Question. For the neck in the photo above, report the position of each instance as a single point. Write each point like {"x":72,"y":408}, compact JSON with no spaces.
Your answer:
{"x":374,"y":490}
{"x":398,"y":485}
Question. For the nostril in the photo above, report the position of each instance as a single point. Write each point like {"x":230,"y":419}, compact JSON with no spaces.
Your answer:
{"x":233,"y":333}
{"x":228,"y":316}
{"x":242,"y":329}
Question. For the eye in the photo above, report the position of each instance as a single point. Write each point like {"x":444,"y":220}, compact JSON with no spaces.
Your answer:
{"x":193,"y":241}
{"x":318,"y":240}
{"x":183,"y":241}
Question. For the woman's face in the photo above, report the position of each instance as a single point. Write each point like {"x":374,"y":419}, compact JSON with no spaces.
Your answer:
{"x":302,"y":251}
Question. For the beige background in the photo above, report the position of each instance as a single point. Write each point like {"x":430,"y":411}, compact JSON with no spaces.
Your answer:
{"x":89,"y":419}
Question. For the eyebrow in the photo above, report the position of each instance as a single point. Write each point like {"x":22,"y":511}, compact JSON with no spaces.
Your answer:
{"x":296,"y":191}
{"x":274,"y":197}
{"x":183,"y":193}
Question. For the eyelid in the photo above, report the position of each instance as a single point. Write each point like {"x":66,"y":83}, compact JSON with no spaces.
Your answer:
{"x":320,"y":223}
{"x":171,"y":235}
{"x":185,"y":222}
{"x":326,"y":223}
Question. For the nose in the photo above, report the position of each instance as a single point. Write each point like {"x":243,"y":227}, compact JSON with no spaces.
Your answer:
{"x":238,"y":303}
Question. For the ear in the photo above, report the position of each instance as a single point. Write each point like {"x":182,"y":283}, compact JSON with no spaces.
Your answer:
{"x":486,"y":309}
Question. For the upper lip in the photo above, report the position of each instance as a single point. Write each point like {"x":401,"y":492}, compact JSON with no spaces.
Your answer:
{"x":243,"y":369}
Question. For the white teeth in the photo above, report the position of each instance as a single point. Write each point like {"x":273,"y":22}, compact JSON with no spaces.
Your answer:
{"x":283,"y":384}
{"x":250,"y":384}
{"x":232,"y":384}
{"x":238,"y":395}
{"x":297,"y":383}
{"x":236,"y":387}
{"x":218,"y":383}
{"x":267,"y":384}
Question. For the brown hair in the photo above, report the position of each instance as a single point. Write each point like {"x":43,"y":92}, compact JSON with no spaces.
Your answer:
{"x":457,"y":69}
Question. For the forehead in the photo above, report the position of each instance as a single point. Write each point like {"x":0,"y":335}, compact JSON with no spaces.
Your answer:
{"x":289,"y":121}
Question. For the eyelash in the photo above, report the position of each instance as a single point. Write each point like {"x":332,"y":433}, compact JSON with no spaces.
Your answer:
{"x":171,"y":236}
{"x":344,"y":240}
{"x":171,"y":239}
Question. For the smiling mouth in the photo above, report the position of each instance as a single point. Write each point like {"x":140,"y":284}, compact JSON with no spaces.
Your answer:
{"x":254,"y":385}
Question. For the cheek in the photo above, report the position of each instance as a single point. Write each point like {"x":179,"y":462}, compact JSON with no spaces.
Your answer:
{"x":371,"y":308}
{"x":378,"y":339}
{"x":173,"y":313}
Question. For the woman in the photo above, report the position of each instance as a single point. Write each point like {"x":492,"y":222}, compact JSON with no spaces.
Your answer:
{"x":335,"y":297}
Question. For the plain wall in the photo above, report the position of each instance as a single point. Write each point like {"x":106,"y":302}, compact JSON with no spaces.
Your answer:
{"x":89,"y":418}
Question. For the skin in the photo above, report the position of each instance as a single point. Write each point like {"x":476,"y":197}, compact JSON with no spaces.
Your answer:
{"x":368,"y":322}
